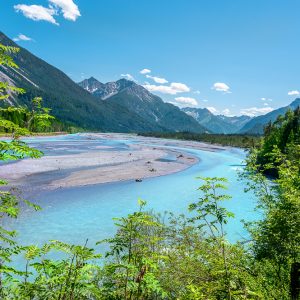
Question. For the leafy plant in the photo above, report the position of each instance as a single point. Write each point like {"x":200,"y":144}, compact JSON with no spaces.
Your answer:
{"x":133,"y":258}
{"x":276,"y":236}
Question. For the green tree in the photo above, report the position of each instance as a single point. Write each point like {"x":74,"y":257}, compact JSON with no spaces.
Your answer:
{"x":213,"y":216}
{"x":38,"y":117}
{"x":276,"y":236}
{"x":229,"y":260}
{"x":13,"y":149}
{"x":134,"y":256}
{"x":68,"y":278}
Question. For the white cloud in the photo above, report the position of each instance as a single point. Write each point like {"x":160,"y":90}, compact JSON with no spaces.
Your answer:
{"x":226,"y":112}
{"x":145,"y":71}
{"x":293,"y":93}
{"x":254,"y":111}
{"x":187,"y":100}
{"x":205,"y":100}
{"x":69,"y":9}
{"x":172,"y":89}
{"x":197,"y":92}
{"x":266,"y":99}
{"x":128,"y":77}
{"x":160,"y":88}
{"x":22,"y":37}
{"x":212,"y":109}
{"x":221,"y":87}
{"x":37,"y":12}
{"x":157,"y":79}
{"x":180,"y":87}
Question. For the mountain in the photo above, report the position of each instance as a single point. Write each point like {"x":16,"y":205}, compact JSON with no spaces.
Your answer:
{"x":68,"y":102}
{"x":76,"y":106}
{"x":140,"y":101}
{"x":91,"y":84}
{"x":217,"y":124}
{"x":237,"y":124}
{"x":237,"y":121}
{"x":103,"y":90}
{"x":257,"y":124}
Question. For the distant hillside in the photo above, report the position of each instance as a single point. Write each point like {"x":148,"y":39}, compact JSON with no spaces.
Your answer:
{"x":237,"y":121}
{"x":256,"y":125}
{"x":69,"y":102}
{"x":74,"y":105}
{"x":217,"y":124}
{"x":136,"y":99}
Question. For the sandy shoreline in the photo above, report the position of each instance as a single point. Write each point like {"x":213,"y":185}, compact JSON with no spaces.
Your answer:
{"x":101,"y":163}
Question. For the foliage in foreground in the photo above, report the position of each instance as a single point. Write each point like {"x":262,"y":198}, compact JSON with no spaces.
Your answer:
{"x":164,"y":257}
{"x":174,"y":257}
{"x":14,"y":149}
{"x":181,"y":258}
{"x":276,"y":237}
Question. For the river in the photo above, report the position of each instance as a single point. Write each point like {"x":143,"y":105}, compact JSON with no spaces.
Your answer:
{"x":76,"y":214}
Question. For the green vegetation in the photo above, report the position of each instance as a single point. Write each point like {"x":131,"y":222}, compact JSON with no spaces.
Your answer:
{"x":276,"y":238}
{"x":11,"y":150}
{"x":232,"y":140}
{"x":170,"y":257}
{"x":281,"y":141}
{"x":36,"y":119}
{"x":22,"y":117}
{"x":167,"y":257}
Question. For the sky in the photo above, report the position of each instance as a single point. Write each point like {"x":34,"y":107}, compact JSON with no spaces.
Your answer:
{"x":233,"y":57}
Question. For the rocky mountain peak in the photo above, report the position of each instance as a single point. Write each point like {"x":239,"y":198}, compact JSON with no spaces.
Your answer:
{"x":109,"y":89}
{"x":91,"y":84}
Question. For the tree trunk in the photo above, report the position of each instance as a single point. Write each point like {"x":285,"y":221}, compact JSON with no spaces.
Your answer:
{"x":295,"y":281}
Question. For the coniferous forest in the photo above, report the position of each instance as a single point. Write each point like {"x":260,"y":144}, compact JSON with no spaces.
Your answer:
{"x":154,"y":256}
{"x":232,"y":140}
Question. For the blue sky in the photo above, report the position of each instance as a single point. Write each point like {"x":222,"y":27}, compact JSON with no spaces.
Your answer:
{"x":232,"y":56}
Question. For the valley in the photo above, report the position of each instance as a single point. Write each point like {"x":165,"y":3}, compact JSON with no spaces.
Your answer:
{"x":117,"y":106}
{"x":149,"y":150}
{"x":80,"y":197}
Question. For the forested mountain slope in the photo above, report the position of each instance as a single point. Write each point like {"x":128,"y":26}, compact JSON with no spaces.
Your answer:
{"x":72,"y":104}
{"x":257,"y":124}
{"x":137,"y":99}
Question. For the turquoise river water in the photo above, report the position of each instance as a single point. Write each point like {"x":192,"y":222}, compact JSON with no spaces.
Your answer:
{"x":75,"y":214}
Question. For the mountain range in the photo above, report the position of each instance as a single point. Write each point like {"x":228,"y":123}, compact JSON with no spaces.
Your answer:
{"x":217,"y":123}
{"x":257,"y":124}
{"x":237,"y":124}
{"x":76,"y":106}
{"x":140,"y":101}
{"x":120,"y":106}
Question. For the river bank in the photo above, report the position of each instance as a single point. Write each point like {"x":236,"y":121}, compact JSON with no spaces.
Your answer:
{"x":96,"y":158}
{"x":75,"y":212}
